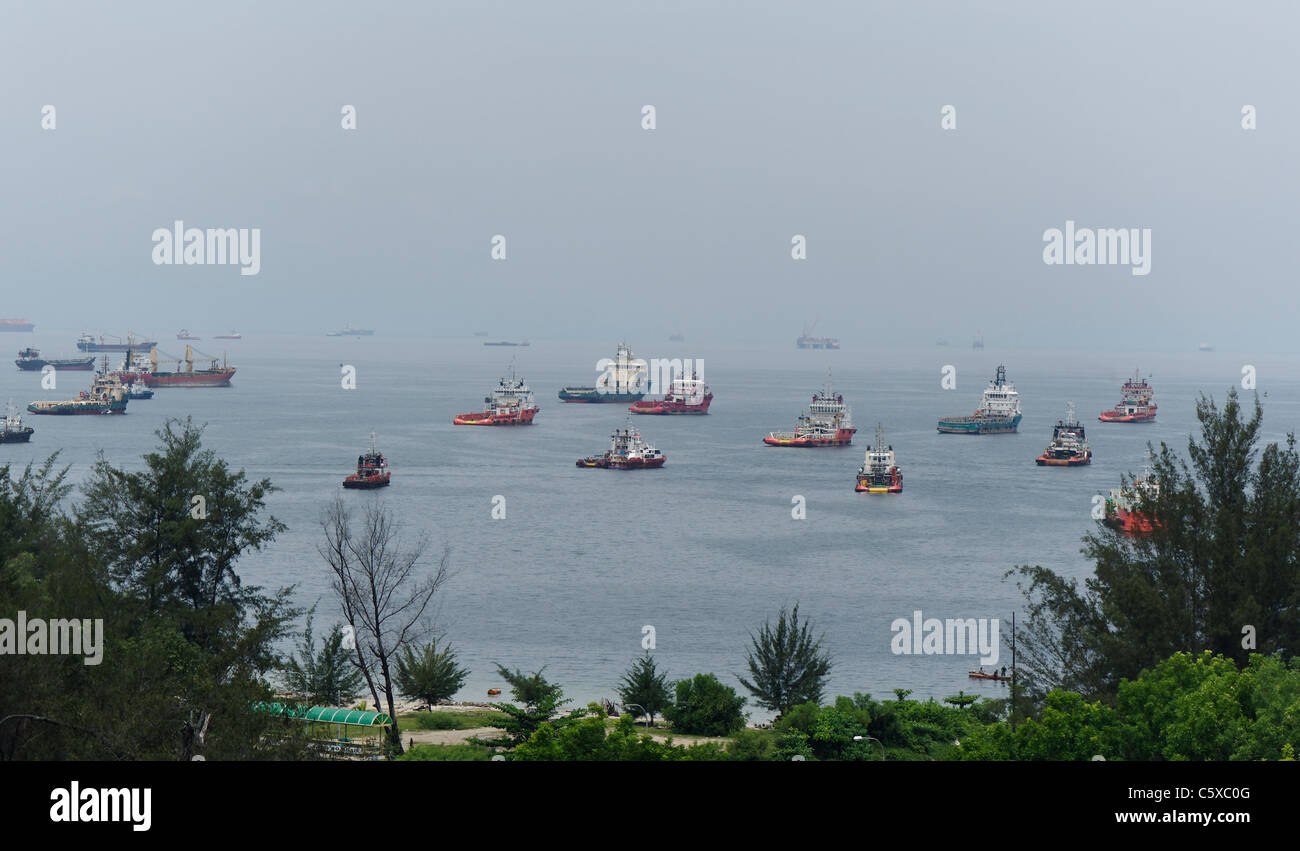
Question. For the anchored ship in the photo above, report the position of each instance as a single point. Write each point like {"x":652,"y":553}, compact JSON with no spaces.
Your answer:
{"x":998,"y":412}
{"x":233,"y":335}
{"x":12,"y":429}
{"x":16,"y":325}
{"x":372,"y":470}
{"x":107,"y":395}
{"x":627,"y":451}
{"x":1135,"y":405}
{"x":30,"y":359}
{"x":624,"y":380}
{"x":1123,"y":506}
{"x":349,"y":331}
{"x":1069,"y":446}
{"x":139,"y":390}
{"x":511,"y":403}
{"x":87,"y":343}
{"x":685,"y":396}
{"x":879,"y":473}
{"x":828,"y":422}
{"x":507,"y":343}
{"x":214,"y":376}
{"x":186,"y":335}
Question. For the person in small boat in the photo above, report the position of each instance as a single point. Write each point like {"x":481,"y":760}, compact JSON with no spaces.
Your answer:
{"x":981,"y":669}
{"x":1004,"y":670}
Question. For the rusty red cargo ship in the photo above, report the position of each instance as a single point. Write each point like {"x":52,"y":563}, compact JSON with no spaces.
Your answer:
{"x":184,"y":376}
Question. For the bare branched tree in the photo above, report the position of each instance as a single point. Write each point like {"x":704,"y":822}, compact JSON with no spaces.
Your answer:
{"x":383,"y":591}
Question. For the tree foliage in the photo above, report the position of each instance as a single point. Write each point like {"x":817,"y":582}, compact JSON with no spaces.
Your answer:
{"x":186,"y":645}
{"x":324,"y":678}
{"x":1220,"y":566}
{"x":646,"y":686}
{"x":706,"y":707}
{"x":431,"y":674}
{"x":787,"y":665}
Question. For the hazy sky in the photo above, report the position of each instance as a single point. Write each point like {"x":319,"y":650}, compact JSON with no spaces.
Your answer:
{"x":524,"y":119}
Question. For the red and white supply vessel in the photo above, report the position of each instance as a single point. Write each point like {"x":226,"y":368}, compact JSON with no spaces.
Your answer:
{"x":828,"y":422}
{"x":1135,"y":405}
{"x":685,"y":396}
{"x":511,"y":403}
{"x":627,"y":451}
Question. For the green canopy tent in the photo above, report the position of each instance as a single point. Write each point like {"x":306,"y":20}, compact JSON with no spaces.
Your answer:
{"x":370,"y":722}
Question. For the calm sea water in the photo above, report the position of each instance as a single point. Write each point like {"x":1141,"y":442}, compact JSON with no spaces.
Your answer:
{"x":704,"y":549}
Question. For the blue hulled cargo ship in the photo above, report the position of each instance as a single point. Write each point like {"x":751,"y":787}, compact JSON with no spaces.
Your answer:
{"x":998,"y":413}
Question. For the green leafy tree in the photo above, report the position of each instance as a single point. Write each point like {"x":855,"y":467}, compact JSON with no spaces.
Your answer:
{"x":590,"y":739}
{"x":787,"y":665}
{"x":186,"y":646}
{"x":431,"y":675}
{"x":646,"y":686}
{"x":706,"y":707}
{"x":537,"y":702}
{"x":1224,"y":554}
{"x":325,"y":678}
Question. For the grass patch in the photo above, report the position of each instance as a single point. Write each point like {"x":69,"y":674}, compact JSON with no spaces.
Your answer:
{"x":447,"y":753}
{"x":451,"y":719}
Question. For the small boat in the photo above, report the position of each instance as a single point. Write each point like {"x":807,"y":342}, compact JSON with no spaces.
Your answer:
{"x":1069,"y":446}
{"x":627,"y":451}
{"x":12,"y":429}
{"x":493,"y":692}
{"x":980,"y":675}
{"x":1135,"y":404}
{"x":139,"y":390}
{"x":879,"y":473}
{"x":372,"y":470}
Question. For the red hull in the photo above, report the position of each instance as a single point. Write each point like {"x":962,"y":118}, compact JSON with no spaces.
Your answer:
{"x":486,"y":418}
{"x":1114,"y":417}
{"x":221,"y":378}
{"x":1046,"y":460}
{"x":1132,"y":522}
{"x":606,"y":464}
{"x":358,"y":482}
{"x":673,"y":407}
{"x":843,"y":437}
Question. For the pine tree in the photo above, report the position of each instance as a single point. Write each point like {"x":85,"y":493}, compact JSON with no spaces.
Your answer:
{"x":787,"y":665}
{"x":431,"y":675}
{"x":645,"y":686}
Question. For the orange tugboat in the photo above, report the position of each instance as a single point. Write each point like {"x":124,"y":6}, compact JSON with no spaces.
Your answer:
{"x":1135,"y":405}
{"x":511,"y":403}
{"x":828,"y":423}
{"x":372,"y":470}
